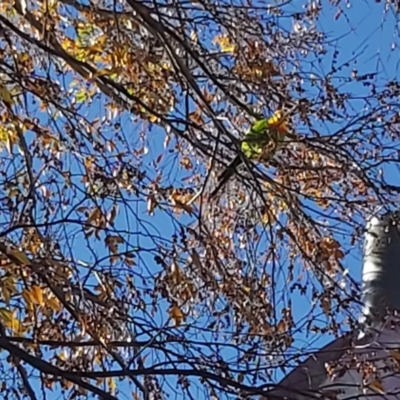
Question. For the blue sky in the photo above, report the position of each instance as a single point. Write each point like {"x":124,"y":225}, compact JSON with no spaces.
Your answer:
{"x":362,"y":31}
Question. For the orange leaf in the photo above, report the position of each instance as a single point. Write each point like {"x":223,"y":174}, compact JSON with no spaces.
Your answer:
{"x":37,"y":295}
{"x":176,"y":314}
{"x":54,"y":304}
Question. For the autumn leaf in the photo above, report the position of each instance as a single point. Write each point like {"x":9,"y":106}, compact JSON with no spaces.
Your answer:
{"x":6,"y":315}
{"x":396,"y":355}
{"x":8,"y":318}
{"x":195,"y":258}
{"x":326,"y":305}
{"x":151,"y":204}
{"x":112,"y":385}
{"x":246,"y":289}
{"x":176,"y":314}
{"x":106,"y":110}
{"x":377,"y":386}
{"x":15,"y":255}
{"x":181,"y":200}
{"x":94,"y":216}
{"x":282,"y":326}
{"x":6,"y":294}
{"x":53,"y":303}
{"x":5,"y":138}
{"x":37,"y":294}
{"x":225,"y":43}
{"x":5,"y":96}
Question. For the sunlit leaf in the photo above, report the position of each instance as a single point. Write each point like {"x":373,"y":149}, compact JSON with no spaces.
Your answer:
{"x":9,"y":319}
{"x":225,"y":43}
{"x":5,"y":95}
{"x":18,"y":256}
{"x":37,"y":294}
{"x":176,"y":314}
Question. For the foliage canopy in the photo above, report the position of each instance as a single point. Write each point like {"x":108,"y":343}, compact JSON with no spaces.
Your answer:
{"x":114,"y":114}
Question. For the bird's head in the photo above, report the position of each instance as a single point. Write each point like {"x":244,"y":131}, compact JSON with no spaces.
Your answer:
{"x":279,"y":121}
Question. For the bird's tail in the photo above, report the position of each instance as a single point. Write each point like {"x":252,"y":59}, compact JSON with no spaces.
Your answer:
{"x":226,"y":175}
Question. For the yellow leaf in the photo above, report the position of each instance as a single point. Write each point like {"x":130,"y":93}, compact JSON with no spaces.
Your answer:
{"x":6,"y":294}
{"x":153,"y":118}
{"x":7,"y":138}
{"x":111,"y":384}
{"x":37,"y":295}
{"x":27,"y":296}
{"x":268,"y":217}
{"x":176,"y":314}
{"x":6,"y":315}
{"x":377,"y":386}
{"x":225,"y":43}
{"x":5,"y":96}
{"x":8,"y":318}
{"x":18,"y":256}
{"x":54,"y":304}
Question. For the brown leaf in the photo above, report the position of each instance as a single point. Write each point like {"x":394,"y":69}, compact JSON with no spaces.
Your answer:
{"x":151,"y":204}
{"x":95,"y":216}
{"x":377,"y":386}
{"x":281,"y":327}
{"x":176,"y":314}
{"x":326,"y":305}
{"x":18,"y":256}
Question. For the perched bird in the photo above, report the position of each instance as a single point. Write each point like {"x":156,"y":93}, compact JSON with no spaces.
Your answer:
{"x":260,"y":143}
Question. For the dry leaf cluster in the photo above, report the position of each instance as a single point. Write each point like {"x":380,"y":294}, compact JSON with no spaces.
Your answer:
{"x":113,"y":115}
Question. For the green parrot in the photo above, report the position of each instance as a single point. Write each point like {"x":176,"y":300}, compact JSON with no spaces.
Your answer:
{"x":260,"y":143}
